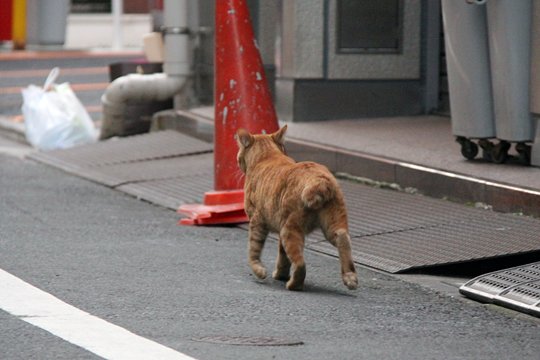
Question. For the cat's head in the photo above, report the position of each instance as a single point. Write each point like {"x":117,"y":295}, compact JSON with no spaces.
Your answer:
{"x":251,"y":147}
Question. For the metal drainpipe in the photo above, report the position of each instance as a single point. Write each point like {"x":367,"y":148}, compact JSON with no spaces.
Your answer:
{"x":152,"y":87}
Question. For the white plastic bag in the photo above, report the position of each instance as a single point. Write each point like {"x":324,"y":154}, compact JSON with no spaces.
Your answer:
{"x":54,"y":117}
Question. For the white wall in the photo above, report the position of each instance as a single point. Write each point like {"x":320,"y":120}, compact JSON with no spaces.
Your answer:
{"x":96,"y":30}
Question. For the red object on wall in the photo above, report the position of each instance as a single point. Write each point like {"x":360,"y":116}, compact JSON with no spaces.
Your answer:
{"x":6,"y":19}
{"x":242,"y":100}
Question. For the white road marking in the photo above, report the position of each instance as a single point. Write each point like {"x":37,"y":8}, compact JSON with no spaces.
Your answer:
{"x":98,"y":336}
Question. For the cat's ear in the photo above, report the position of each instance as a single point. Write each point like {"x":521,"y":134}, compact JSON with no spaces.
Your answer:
{"x":244,"y":138}
{"x":279,"y":136}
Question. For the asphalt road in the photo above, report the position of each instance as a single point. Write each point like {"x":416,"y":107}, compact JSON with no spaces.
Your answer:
{"x":127,"y":262}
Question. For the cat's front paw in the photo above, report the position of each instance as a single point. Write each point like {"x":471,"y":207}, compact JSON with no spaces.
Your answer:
{"x":350,"y":280}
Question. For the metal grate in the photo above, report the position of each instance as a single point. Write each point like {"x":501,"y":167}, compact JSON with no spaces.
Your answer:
{"x":398,"y":232}
{"x":527,"y":293}
{"x":375,"y":211}
{"x":155,"y":145}
{"x":445,"y":244}
{"x":171,"y":193}
{"x":118,"y":174}
{"x":487,"y":287}
{"x":517,"y":288}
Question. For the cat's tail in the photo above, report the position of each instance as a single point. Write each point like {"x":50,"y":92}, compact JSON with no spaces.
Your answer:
{"x":317,"y":192}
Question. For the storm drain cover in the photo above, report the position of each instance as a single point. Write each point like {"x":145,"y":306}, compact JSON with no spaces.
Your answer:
{"x":517,"y":288}
{"x":248,"y":340}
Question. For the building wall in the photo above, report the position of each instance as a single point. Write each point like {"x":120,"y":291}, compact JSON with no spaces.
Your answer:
{"x":535,"y":82}
{"x":313,"y":81}
{"x":535,"y":63}
{"x":266,"y":27}
{"x":317,"y":81}
{"x":403,"y":65}
{"x":301,"y":39}
{"x":308,"y":43}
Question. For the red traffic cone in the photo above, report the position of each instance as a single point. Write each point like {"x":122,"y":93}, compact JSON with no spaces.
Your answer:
{"x":242,"y":100}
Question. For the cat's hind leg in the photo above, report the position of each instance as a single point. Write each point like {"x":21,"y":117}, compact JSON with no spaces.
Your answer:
{"x":283,"y":265}
{"x":293,"y":242}
{"x":334,"y":226}
{"x":257,"y":236}
{"x":342,"y":241}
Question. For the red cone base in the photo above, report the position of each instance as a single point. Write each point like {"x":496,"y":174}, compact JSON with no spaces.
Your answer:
{"x":220,"y":207}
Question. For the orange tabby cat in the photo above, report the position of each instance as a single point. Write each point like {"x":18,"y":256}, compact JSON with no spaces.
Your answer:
{"x":291,"y":199}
